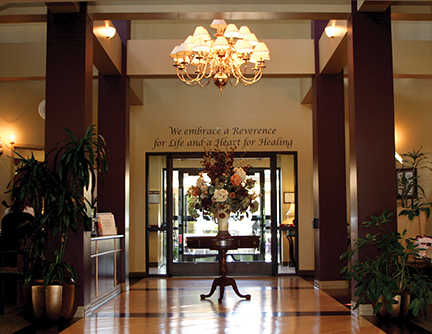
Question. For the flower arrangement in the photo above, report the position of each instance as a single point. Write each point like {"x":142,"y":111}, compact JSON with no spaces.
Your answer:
{"x":229,"y":189}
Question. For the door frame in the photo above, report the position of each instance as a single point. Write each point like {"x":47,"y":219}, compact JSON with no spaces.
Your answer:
{"x":170,"y":156}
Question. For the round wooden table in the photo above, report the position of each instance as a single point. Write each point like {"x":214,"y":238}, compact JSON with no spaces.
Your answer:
{"x":223,"y":243}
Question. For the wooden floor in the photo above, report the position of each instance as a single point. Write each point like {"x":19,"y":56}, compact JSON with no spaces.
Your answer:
{"x":172,"y":305}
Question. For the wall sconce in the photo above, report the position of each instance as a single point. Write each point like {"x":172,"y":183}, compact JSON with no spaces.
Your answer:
{"x":12,"y":138}
{"x":330,"y":31}
{"x":109,"y":31}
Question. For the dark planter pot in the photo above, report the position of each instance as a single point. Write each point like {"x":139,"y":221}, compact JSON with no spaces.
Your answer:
{"x":400,"y":310}
{"x":56,"y":303}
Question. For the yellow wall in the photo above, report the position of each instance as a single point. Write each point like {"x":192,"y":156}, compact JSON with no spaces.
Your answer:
{"x":413,"y":119}
{"x":19,"y":113}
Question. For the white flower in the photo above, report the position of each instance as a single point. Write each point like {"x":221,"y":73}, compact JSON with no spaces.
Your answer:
{"x":220,"y":195}
{"x":200,"y":182}
{"x":240,"y":172}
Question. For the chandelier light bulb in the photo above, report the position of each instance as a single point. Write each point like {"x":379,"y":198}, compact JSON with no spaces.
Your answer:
{"x":201,"y":32}
{"x":219,"y":25}
{"x":261,"y":50}
{"x":231,"y":31}
{"x":221,"y":43}
{"x":190,"y":40}
{"x":243,"y":46}
{"x":174,"y":51}
{"x":183,"y":50}
{"x":251,"y":38}
{"x":244,"y":30}
{"x":200,"y":45}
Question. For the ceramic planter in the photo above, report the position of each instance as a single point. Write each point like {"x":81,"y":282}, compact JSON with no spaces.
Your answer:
{"x":399,"y":310}
{"x":56,"y":303}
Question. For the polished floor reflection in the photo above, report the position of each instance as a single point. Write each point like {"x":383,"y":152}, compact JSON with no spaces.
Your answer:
{"x":286,"y":304}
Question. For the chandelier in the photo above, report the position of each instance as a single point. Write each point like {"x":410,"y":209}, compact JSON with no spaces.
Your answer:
{"x":199,"y":59}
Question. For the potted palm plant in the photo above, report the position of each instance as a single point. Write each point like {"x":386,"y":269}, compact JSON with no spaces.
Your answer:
{"x":56,"y":192}
{"x":387,"y":278}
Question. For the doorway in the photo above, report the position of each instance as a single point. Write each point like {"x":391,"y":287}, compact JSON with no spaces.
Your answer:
{"x":168,"y":178}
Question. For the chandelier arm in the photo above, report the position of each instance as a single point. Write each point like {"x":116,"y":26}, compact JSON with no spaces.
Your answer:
{"x":190,"y":83}
{"x":206,"y":84}
{"x":249,"y":81}
{"x":188,"y":79}
{"x":236,"y":83}
{"x":180,"y":75}
{"x":197,"y":78}
{"x":238,"y":73}
{"x":246,"y":80}
{"x":213,"y":66}
{"x":204,"y":70}
{"x":245,"y":69}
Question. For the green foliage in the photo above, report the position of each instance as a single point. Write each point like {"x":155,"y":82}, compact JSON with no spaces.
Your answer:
{"x":55,"y":191}
{"x":411,"y":192}
{"x":387,"y":272}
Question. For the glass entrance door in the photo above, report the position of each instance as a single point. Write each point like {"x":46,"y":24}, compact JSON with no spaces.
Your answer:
{"x":205,"y":261}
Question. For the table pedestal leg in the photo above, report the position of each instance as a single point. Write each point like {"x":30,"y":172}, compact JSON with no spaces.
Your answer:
{"x":224,"y":281}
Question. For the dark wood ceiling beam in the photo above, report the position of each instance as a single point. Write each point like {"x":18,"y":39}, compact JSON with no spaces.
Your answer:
{"x":374,"y":6}
{"x":23,"y":18}
{"x":223,"y":15}
{"x":63,"y":7}
{"x":412,"y":3}
{"x":411,"y":17}
{"x":210,"y":16}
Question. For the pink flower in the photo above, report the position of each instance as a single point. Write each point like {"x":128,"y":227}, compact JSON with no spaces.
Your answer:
{"x":236,"y":180}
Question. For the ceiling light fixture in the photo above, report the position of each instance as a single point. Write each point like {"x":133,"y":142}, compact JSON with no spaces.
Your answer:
{"x":226,"y":59}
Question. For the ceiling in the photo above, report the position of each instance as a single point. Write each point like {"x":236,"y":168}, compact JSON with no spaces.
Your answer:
{"x":24,"y":11}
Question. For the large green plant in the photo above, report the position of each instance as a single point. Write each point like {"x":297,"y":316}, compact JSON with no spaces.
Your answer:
{"x":387,"y":272}
{"x":55,"y":190}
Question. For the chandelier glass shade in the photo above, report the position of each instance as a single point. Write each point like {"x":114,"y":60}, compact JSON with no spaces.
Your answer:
{"x":200,"y":60}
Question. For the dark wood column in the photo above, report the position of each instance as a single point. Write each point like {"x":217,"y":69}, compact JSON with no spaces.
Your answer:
{"x":329,"y":169}
{"x":371,"y":114}
{"x":113,"y":124}
{"x":69,"y":105}
{"x":69,"y":66}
